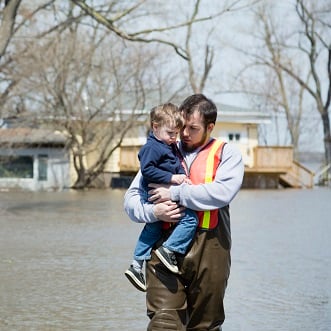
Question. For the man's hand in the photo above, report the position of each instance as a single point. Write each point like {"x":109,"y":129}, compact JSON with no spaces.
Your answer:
{"x":168,"y":211}
{"x":159,"y":193}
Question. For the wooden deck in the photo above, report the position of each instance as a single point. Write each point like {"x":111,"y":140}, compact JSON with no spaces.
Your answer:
{"x":274,"y":167}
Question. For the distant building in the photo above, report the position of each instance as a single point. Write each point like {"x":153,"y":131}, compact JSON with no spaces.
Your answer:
{"x":33,"y":159}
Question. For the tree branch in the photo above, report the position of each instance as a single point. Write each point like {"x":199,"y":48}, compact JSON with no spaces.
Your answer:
{"x":109,"y":24}
{"x":7,"y":25}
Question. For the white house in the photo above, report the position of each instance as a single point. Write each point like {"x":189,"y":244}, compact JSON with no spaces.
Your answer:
{"x":33,"y":159}
{"x":234,"y":125}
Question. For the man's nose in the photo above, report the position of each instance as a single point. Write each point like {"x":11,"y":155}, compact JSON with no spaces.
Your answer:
{"x":184,"y":131}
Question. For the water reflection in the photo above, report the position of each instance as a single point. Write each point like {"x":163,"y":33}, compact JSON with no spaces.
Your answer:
{"x":62,"y":257}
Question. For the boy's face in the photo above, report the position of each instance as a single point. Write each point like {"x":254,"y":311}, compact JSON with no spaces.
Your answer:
{"x":165,"y":133}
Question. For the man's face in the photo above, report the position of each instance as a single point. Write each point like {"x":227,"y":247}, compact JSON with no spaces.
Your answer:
{"x":194,"y":134}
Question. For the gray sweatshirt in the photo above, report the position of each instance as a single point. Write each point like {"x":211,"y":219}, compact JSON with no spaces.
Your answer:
{"x":210,"y":196}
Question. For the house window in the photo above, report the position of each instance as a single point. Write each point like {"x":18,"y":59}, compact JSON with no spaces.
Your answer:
{"x":42,"y":167}
{"x":16,"y":166}
{"x":234,"y":137}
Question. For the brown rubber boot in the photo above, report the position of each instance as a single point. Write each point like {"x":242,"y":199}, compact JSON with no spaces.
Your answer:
{"x":166,"y":320}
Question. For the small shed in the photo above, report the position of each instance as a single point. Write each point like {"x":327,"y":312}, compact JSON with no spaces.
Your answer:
{"x":33,"y":159}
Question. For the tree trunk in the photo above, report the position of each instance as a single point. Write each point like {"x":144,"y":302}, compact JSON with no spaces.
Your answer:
{"x":327,"y":139}
{"x":80,"y":182}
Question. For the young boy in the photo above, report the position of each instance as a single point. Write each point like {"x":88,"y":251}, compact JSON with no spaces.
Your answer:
{"x":159,"y":163}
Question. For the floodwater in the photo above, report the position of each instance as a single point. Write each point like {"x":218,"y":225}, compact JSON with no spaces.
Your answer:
{"x":63,"y":254}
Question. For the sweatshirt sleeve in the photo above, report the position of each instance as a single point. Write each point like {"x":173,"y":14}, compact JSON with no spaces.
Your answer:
{"x":134,"y":205}
{"x":150,"y":157}
{"x":221,"y":191}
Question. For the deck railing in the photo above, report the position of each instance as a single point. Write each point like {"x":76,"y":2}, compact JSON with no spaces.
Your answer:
{"x":280,"y":159}
{"x":273,"y":157}
{"x":299,"y":176}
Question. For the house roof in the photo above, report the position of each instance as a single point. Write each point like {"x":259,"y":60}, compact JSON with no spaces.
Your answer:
{"x":31,"y":136}
{"x":234,"y":114}
{"x":226,"y":114}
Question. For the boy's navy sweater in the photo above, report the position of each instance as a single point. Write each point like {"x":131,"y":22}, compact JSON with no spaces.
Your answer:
{"x":159,"y":161}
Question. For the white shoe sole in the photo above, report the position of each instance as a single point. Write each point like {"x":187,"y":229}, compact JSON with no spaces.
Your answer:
{"x":135,"y":281}
{"x":172,"y":268}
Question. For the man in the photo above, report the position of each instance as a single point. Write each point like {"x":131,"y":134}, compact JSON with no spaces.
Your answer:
{"x":193,"y":299}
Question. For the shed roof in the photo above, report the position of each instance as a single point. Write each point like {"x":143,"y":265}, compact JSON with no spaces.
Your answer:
{"x":31,"y":136}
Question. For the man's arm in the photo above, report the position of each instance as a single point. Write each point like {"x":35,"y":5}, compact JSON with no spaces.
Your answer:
{"x":134,"y":204}
{"x":141,"y":211}
{"x":217,"y":194}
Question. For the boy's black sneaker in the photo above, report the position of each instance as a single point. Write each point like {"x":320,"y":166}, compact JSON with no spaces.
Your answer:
{"x":168,"y":259}
{"x":136,"y":277}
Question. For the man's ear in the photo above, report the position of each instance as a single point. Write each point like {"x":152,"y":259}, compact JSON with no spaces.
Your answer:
{"x":210,"y":127}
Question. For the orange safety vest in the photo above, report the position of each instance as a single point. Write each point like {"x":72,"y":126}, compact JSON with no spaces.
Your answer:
{"x":203,"y":171}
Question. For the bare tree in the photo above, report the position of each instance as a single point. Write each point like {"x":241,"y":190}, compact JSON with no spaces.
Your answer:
{"x":314,"y":44}
{"x":201,"y":61}
{"x":7,"y":25}
{"x":12,"y":22}
{"x":197,"y":74}
{"x":281,"y":94}
{"x":314,"y":41}
{"x":19,"y":26}
{"x":197,"y":86}
{"x":114,"y":22}
{"x":90,"y":86}
{"x":295,"y":64}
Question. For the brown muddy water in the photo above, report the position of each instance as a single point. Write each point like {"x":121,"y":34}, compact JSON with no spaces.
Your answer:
{"x":63,"y":254}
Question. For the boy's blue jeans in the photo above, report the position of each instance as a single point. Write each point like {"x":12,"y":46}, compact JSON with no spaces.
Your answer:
{"x":178,"y":241}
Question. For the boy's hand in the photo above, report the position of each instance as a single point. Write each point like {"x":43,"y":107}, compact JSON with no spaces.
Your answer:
{"x":178,"y":179}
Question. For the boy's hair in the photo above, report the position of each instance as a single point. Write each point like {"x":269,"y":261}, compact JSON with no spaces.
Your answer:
{"x":203,"y":105}
{"x":167,"y":114}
